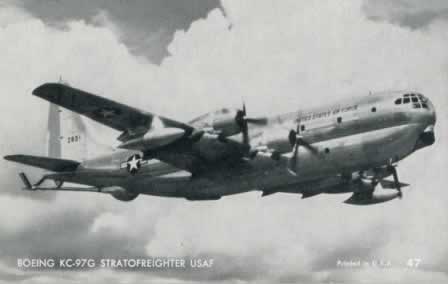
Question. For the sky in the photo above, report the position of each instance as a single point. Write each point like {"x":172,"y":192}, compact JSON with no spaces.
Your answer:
{"x":184,"y":58}
{"x":145,"y":27}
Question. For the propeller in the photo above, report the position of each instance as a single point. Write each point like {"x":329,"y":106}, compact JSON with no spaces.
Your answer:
{"x":243,"y":122}
{"x":296,"y":140}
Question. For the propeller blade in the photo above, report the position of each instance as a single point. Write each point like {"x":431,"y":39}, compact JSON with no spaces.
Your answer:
{"x":307,"y":145}
{"x":256,"y":120}
{"x":293,"y":160}
{"x":304,"y":143}
{"x":245,"y":132}
{"x":240,"y":120}
{"x":296,"y":140}
{"x":292,"y":137}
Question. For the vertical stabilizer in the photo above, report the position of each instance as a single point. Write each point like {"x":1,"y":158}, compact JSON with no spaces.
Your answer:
{"x":73,"y":136}
{"x":54,"y":132}
{"x":66,"y":138}
{"x":70,"y":138}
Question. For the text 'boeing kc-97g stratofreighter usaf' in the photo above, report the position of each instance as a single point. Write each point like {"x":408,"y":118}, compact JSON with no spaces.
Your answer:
{"x":346,"y":147}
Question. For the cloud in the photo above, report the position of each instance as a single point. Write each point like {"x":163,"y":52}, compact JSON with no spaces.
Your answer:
{"x":280,"y":57}
{"x":412,"y":14}
{"x":145,"y":27}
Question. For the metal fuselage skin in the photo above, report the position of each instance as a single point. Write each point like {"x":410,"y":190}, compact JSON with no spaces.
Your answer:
{"x":352,"y":135}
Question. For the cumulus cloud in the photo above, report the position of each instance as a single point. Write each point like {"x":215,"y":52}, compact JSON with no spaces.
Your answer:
{"x":279,"y":56}
{"x":412,"y":14}
{"x":145,"y":27}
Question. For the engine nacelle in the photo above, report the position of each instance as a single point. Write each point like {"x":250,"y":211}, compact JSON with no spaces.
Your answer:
{"x":153,"y":139}
{"x":222,"y":121}
{"x":120,"y":193}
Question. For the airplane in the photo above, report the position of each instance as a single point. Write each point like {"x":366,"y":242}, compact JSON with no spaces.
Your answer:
{"x":349,"y":146}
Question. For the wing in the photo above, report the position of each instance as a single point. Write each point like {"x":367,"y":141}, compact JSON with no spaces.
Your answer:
{"x":132,"y":121}
{"x":190,"y":149}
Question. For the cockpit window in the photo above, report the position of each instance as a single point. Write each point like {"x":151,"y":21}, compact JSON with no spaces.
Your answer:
{"x":417,"y":100}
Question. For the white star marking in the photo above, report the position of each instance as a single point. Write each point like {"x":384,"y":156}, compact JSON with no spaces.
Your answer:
{"x":133,"y":164}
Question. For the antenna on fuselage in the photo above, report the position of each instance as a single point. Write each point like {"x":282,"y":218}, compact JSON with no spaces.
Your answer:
{"x":62,"y":81}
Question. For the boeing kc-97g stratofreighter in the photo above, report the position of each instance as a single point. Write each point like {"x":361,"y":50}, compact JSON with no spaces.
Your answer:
{"x":346,"y":147}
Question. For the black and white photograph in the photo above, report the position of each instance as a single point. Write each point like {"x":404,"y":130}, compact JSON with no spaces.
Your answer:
{"x":224,"y":141}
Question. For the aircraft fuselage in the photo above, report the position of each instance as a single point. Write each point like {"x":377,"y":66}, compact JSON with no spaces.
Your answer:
{"x":352,"y":135}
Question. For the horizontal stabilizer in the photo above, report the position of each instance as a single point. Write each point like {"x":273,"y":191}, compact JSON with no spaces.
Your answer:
{"x":36,"y":186}
{"x":51,"y":164}
{"x":71,"y":188}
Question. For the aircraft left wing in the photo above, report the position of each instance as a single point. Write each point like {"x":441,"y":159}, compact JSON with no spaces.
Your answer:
{"x":176,"y":143}
{"x":131,"y":121}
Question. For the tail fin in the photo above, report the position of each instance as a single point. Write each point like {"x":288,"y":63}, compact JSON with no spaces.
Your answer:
{"x":69,"y":137}
{"x":54,"y":133}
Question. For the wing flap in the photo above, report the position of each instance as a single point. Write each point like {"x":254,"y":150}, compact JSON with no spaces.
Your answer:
{"x":51,"y":164}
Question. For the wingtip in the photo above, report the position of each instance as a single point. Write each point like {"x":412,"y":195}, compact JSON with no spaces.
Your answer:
{"x":39,"y":90}
{"x":46,"y":89}
{"x":10,"y":157}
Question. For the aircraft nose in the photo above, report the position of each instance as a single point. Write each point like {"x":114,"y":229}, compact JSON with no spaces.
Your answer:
{"x":428,"y":118}
{"x":433,"y":115}
{"x":431,"y":112}
{"x":427,"y":137}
